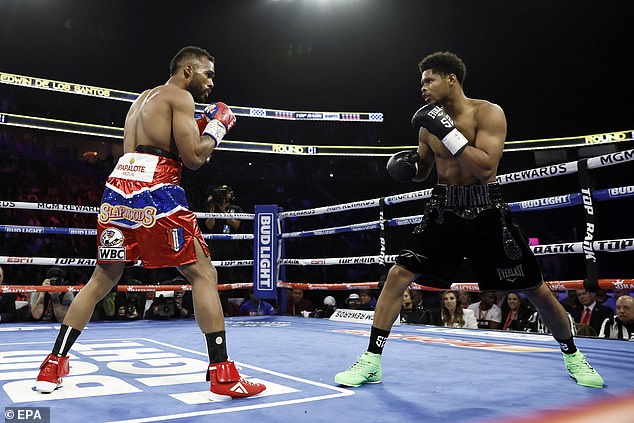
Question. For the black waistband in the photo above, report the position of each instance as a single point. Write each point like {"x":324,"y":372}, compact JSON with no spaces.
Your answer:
{"x":467,"y":195}
{"x":155,"y":151}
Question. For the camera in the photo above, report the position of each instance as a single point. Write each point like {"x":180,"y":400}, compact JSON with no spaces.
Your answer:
{"x":55,"y":275}
{"x":165,"y":306}
{"x":166,"y":310}
{"x":56,"y":281}
{"x":219,"y":195}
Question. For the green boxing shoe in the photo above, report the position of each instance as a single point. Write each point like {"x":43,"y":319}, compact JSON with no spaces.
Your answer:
{"x":367,"y":369}
{"x":579,"y":369}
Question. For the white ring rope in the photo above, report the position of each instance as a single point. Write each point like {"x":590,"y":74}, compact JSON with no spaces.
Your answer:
{"x":535,"y":204}
{"x":356,"y":205}
{"x":525,"y":175}
{"x":612,"y":245}
{"x":608,"y":245}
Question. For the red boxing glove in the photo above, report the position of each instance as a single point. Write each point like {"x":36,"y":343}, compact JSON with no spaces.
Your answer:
{"x":220,"y":119}
{"x":201,"y":121}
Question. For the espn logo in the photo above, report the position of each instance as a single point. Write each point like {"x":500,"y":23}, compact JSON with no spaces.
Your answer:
{"x":111,"y":253}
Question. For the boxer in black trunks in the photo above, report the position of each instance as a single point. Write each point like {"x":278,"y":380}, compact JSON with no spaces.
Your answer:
{"x":466,"y":217}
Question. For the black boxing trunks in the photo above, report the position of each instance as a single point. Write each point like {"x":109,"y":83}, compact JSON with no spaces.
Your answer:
{"x":144,"y":213}
{"x":471,"y":223}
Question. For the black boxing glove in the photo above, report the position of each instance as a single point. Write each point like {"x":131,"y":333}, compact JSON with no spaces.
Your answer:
{"x":403,"y":166}
{"x":438,"y":123}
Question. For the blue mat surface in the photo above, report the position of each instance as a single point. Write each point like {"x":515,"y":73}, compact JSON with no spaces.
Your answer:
{"x":148,"y":371}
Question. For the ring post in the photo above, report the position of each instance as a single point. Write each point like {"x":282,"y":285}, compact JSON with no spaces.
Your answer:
{"x":266,"y":251}
{"x":382,"y":242}
{"x":587,"y":185}
{"x":281,"y":300}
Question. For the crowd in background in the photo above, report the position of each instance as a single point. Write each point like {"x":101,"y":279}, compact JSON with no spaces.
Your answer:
{"x":36,"y":167}
{"x":595,"y":314}
{"x":46,"y":167}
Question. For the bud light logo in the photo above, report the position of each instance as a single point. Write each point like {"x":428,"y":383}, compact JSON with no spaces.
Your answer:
{"x":265,"y":250}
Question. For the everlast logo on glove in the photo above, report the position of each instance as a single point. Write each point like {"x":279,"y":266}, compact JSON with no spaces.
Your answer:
{"x":434,"y":112}
{"x":510,"y":274}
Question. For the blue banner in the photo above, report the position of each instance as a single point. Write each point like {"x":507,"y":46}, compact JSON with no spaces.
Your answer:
{"x":265,"y":251}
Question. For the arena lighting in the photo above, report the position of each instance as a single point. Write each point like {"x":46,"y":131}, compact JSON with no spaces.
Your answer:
{"x":316,"y":2}
{"x":250,"y":111}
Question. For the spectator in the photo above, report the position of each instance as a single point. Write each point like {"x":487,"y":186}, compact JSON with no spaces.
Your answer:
{"x":500,"y":299}
{"x":591,"y":313}
{"x":128,"y":312}
{"x":488,"y":315}
{"x":133,"y":312}
{"x":163,"y":307}
{"x":465,"y":298}
{"x":516,"y":313}
{"x":256,"y":307}
{"x":183,"y":300}
{"x":133,"y":302}
{"x":328,"y":308}
{"x":220,"y":200}
{"x":425,"y":299}
{"x":605,"y":299}
{"x":9,"y":310}
{"x":453,"y":315}
{"x":536,"y":324}
{"x":122,"y":313}
{"x":184,"y":304}
{"x":231,"y":303}
{"x":571,"y":302}
{"x":585,"y":330}
{"x":353,"y":301}
{"x":296,"y":304}
{"x":105,"y":308}
{"x":51,"y":306}
{"x":417,"y":298}
{"x":366,"y":300}
{"x":620,"y":326}
{"x":411,"y":312}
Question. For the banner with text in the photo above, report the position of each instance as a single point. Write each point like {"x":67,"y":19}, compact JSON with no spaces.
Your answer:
{"x":266,"y":251}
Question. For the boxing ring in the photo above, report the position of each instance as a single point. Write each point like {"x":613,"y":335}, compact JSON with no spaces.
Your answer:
{"x":145,"y":371}
{"x":141,"y":372}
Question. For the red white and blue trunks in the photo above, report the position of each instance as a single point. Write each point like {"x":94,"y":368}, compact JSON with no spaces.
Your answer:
{"x":144,"y":214}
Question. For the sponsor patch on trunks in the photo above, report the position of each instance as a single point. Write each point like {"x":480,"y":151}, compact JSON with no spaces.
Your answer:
{"x":136,"y":167}
{"x":111,"y":237}
{"x":145,"y":216}
{"x":111,"y":253}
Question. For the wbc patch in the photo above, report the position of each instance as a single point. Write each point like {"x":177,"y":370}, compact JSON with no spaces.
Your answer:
{"x":111,"y":237}
{"x":110,"y":248}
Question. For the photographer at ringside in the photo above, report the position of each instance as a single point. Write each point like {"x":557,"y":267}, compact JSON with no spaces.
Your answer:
{"x":12,"y":308}
{"x":51,"y":306}
{"x":163,"y":307}
{"x":220,"y":200}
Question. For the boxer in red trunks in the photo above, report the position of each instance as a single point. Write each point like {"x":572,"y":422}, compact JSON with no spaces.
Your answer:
{"x":144,"y":214}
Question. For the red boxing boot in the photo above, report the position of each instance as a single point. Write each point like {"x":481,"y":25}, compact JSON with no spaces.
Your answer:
{"x":51,"y":372}
{"x":225,"y":380}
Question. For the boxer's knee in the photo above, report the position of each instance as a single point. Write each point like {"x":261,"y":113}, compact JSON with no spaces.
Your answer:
{"x":398,"y":279}
{"x":103,"y":278}
{"x":202,"y":270}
